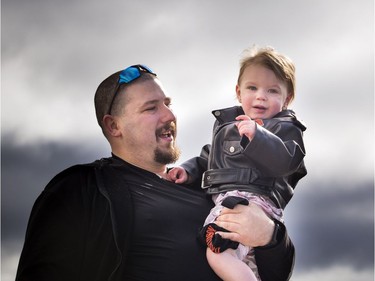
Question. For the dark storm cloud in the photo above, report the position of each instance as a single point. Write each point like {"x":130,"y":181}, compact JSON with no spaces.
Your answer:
{"x":333,"y":225}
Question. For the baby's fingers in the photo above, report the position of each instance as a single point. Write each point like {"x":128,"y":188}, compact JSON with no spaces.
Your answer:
{"x":242,"y":118}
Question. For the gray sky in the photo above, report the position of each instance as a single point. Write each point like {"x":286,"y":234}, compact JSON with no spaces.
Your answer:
{"x":55,"y":54}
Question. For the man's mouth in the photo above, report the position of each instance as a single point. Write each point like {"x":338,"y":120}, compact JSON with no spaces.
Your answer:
{"x":167,"y":132}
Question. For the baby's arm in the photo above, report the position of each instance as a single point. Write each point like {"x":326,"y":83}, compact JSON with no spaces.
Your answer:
{"x":178,"y":175}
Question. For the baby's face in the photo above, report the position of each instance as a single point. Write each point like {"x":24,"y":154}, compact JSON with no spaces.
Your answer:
{"x":261,"y":93}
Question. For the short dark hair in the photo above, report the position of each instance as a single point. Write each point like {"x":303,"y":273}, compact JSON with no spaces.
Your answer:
{"x":106,"y":90}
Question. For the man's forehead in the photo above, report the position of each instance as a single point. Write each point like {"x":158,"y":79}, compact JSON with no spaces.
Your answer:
{"x":145,"y":93}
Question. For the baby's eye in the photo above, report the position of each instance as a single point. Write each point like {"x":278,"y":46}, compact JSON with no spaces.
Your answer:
{"x":273,"y":91}
{"x":252,"y":88}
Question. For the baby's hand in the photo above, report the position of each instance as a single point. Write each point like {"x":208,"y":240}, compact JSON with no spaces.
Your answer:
{"x":177,"y":175}
{"x":246,"y":126}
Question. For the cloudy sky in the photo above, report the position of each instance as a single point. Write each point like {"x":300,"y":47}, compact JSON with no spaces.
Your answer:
{"x":55,"y":53}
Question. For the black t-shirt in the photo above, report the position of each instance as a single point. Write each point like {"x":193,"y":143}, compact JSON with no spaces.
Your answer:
{"x":79,"y":226}
{"x":164,"y":246}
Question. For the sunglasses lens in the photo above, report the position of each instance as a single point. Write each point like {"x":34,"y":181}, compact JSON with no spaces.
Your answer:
{"x":133,"y":72}
{"x":146,"y":68}
{"x":128,"y":75}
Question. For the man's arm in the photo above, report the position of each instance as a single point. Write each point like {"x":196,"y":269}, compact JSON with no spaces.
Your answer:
{"x":276,"y":261}
{"x":250,"y":226}
{"x":55,"y":237}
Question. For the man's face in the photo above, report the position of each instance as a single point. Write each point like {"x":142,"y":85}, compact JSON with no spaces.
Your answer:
{"x":148,"y":125}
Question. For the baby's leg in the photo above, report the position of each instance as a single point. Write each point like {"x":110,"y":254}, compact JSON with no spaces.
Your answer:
{"x":228,"y":267}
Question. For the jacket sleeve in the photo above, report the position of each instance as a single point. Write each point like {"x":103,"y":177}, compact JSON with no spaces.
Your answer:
{"x":276,"y":263}
{"x":196,"y":166}
{"x":277,"y":153}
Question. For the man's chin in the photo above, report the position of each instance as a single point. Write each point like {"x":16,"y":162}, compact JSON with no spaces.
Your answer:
{"x":168,"y":156}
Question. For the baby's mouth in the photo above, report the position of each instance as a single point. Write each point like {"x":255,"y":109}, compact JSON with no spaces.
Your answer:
{"x":260,"y":107}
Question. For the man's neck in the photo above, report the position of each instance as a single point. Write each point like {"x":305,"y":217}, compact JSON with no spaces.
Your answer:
{"x":151,"y":166}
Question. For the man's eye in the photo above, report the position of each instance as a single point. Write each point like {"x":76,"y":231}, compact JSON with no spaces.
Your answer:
{"x":150,"y":108}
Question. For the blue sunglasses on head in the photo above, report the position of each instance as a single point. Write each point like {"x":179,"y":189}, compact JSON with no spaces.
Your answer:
{"x":128,"y":75}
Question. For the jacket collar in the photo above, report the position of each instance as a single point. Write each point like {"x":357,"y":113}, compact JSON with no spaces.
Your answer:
{"x":228,"y":114}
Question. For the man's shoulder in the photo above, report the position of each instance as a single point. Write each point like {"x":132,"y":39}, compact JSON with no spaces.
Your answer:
{"x":81,"y":169}
{"x":77,"y":169}
{"x":76,"y":175}
{"x":102,"y":171}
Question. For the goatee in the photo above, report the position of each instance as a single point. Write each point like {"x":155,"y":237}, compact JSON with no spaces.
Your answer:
{"x":167,"y":157}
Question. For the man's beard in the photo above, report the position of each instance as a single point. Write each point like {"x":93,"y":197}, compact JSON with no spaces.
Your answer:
{"x":173,"y":153}
{"x":167,"y":157}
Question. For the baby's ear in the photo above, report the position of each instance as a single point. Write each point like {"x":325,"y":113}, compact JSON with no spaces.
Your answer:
{"x":238,"y":93}
{"x":287,"y":101}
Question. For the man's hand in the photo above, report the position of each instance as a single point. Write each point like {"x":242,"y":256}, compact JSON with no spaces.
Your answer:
{"x":248,"y":225}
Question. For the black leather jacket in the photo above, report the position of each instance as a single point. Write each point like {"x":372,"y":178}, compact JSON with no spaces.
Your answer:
{"x":271,"y":164}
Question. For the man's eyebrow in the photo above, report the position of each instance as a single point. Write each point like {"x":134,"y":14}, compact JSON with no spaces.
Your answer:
{"x":151,"y":102}
{"x":166,"y":100}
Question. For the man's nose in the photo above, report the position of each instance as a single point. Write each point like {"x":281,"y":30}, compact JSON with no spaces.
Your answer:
{"x":168,"y":115}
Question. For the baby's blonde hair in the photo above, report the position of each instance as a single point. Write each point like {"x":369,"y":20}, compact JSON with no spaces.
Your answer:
{"x":268,"y":57}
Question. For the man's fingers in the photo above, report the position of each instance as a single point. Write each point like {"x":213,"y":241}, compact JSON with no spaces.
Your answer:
{"x":229,"y":235}
{"x":230,"y":226}
{"x":236,"y":210}
{"x":248,"y":225}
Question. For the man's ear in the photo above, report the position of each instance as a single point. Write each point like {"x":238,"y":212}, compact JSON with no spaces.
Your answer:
{"x":110,"y":125}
